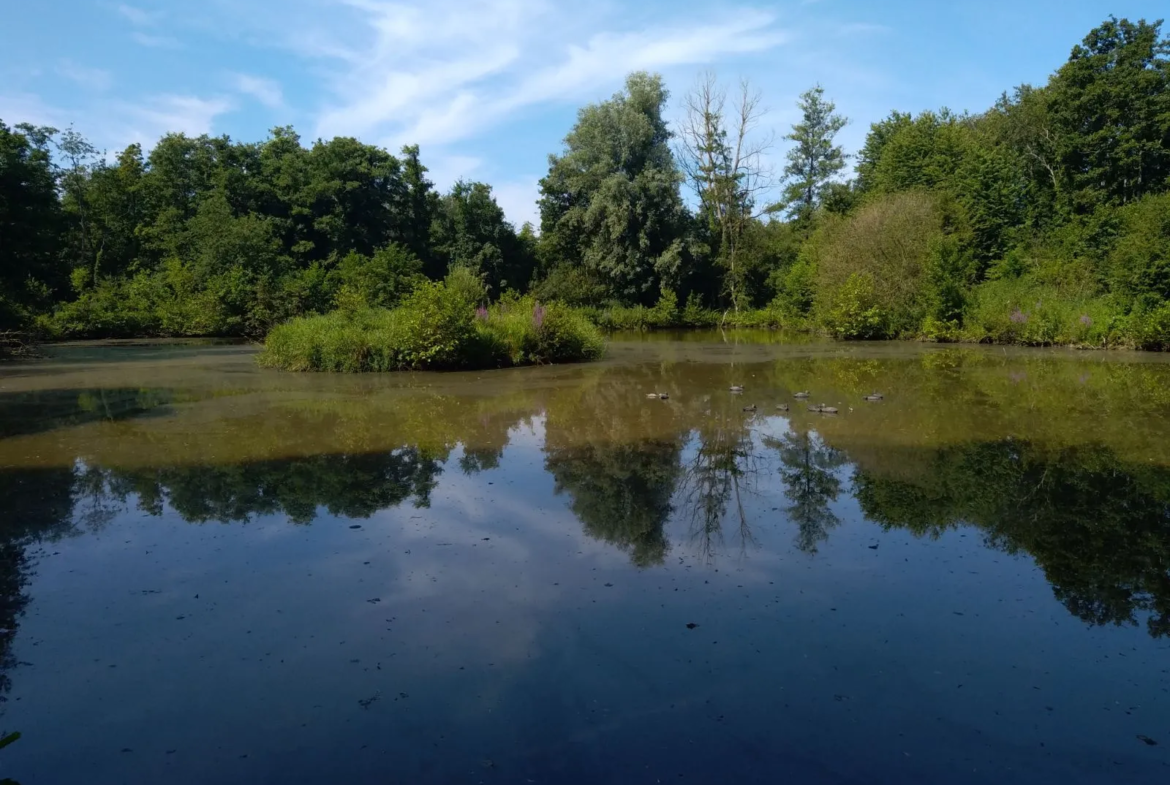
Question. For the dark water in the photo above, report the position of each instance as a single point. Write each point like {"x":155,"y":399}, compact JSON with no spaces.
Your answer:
{"x":213,"y":574}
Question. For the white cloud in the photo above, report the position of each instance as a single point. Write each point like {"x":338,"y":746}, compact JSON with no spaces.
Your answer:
{"x":444,"y":171}
{"x":264,"y":90}
{"x":27,"y":108}
{"x":89,"y":78}
{"x":436,"y":75}
{"x":518,"y":200}
{"x":188,"y":114}
{"x":156,"y":41}
{"x":137,"y":16}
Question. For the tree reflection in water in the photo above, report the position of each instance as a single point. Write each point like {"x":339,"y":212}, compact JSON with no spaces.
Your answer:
{"x":723,"y":468}
{"x":809,"y":469}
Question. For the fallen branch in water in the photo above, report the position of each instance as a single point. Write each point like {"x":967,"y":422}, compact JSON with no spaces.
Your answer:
{"x":16,"y":344}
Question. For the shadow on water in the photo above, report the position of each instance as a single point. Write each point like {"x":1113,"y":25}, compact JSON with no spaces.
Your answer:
{"x":25,"y":413}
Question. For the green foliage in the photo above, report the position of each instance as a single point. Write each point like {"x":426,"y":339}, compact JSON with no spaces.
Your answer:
{"x":380,"y":281}
{"x":29,"y":225}
{"x":610,"y":203}
{"x":1109,"y":108}
{"x":1022,"y":311}
{"x":814,"y":160}
{"x":1058,"y":195}
{"x":1139,"y":263}
{"x":436,"y":327}
{"x":470,"y":231}
{"x":795,"y":287}
{"x":873,"y":269}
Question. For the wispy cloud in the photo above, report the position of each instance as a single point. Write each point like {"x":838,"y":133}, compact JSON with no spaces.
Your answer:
{"x":145,"y":24}
{"x":137,"y":16}
{"x":90,"y":78}
{"x":20,"y":107}
{"x":490,"y":58}
{"x":267,"y":91}
{"x":156,"y":41}
{"x":146,"y":122}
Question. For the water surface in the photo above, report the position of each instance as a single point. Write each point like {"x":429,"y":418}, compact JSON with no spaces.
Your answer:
{"x":212,"y":573}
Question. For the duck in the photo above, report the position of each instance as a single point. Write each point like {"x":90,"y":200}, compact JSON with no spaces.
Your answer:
{"x":736,"y":388}
{"x":664,"y":396}
{"x":874,"y":397}
{"x":816,"y":409}
{"x":782,"y":407}
{"x":751,"y":408}
{"x":652,"y":396}
{"x":827,"y":409}
{"x":801,"y":395}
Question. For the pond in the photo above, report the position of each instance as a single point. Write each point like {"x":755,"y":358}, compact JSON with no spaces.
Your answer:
{"x":211,"y":573}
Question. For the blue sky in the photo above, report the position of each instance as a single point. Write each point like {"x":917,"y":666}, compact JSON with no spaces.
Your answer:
{"x":490,"y":87}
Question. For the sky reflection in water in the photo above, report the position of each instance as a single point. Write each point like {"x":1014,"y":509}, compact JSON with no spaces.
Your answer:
{"x":234,"y":576}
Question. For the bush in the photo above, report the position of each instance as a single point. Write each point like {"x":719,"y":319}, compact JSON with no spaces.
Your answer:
{"x":437,"y":327}
{"x":378,"y":281}
{"x":1139,"y":263}
{"x":1022,"y":311}
{"x":872,"y":268}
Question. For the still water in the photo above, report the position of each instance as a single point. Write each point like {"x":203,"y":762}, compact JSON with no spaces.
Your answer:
{"x":211,"y":573}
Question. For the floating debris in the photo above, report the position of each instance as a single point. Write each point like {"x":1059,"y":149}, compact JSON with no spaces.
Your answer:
{"x":1147,"y":740}
{"x":692,"y":626}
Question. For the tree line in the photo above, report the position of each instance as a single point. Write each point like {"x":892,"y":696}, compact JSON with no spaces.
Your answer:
{"x":1043,"y":219}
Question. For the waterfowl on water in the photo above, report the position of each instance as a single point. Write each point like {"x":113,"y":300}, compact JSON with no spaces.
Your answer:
{"x":751,"y":408}
{"x":874,"y":397}
{"x":783,"y":407}
{"x":735,"y":388}
{"x":652,"y":395}
{"x":801,"y":395}
{"x":664,"y":396}
{"x":827,"y":409}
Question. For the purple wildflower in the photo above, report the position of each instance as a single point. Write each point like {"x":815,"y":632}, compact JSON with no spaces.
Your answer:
{"x":1085,"y":320}
{"x":1019,"y":317}
{"x":481,"y":313}
{"x":538,"y":315}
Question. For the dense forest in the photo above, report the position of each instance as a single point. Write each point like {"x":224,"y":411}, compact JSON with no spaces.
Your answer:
{"x":1043,"y":219}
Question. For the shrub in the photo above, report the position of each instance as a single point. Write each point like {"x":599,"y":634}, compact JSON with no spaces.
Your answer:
{"x":437,"y":327}
{"x":872,"y":269}
{"x":1024,"y":312}
{"x":1139,"y":263}
{"x":378,"y":281}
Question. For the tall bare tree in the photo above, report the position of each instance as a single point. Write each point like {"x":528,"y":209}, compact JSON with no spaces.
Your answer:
{"x":723,"y":158}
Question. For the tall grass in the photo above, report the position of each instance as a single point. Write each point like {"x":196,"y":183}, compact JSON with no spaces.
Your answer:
{"x":437,"y":327}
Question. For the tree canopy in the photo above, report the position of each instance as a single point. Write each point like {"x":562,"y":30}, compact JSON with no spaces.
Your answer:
{"x":1038,"y":220}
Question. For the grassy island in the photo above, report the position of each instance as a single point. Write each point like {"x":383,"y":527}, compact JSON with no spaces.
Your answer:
{"x":437,"y":327}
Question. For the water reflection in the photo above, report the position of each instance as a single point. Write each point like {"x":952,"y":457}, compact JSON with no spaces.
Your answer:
{"x":1098,"y":526}
{"x":810,"y":470}
{"x":963,"y":443}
